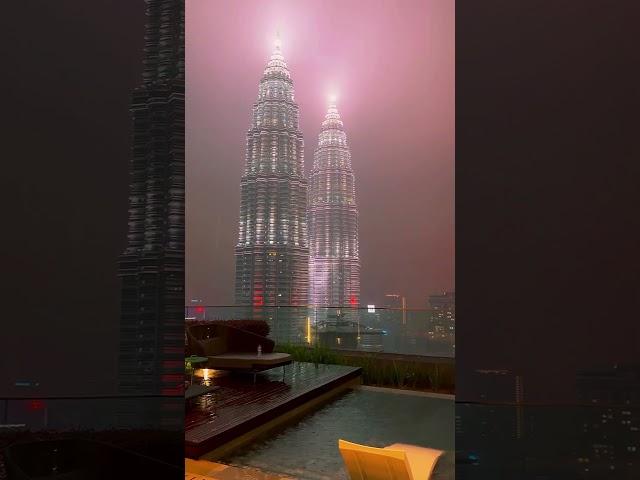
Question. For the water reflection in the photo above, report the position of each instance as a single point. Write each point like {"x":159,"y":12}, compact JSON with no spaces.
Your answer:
{"x":361,"y":416}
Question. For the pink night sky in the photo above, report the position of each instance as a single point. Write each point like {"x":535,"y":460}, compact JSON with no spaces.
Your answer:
{"x":391,"y":65}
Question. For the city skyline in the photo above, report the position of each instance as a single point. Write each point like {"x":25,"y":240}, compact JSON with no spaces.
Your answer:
{"x":401,"y":131}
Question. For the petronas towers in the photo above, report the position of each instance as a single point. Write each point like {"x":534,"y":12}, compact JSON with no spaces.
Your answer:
{"x":296,"y":247}
{"x":334,"y":268}
{"x":272,"y":253}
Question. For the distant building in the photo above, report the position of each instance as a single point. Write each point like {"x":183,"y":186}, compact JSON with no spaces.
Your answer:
{"x":393,"y":300}
{"x":442,"y":316}
{"x":482,"y":430}
{"x":616,"y":385}
{"x":496,"y":386}
{"x":394,"y":308}
{"x":610,"y":435}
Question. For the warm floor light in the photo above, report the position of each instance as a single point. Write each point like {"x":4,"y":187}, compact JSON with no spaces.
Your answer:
{"x":208,"y":373}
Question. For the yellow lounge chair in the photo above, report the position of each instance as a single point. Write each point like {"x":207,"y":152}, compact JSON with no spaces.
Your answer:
{"x":206,"y":470}
{"x":395,"y":462}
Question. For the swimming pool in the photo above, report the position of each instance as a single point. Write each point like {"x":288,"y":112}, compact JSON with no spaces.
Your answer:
{"x":378,"y":417}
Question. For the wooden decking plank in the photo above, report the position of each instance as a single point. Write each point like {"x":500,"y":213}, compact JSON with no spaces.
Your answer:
{"x":237,"y":405}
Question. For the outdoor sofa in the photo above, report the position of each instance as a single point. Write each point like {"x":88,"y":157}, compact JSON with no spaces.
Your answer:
{"x":232,"y":349}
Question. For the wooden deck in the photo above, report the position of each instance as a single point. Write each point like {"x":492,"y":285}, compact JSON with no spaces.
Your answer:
{"x":238,"y":406}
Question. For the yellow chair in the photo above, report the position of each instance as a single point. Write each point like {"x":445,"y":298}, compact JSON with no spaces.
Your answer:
{"x":395,"y":462}
{"x":201,"y":469}
{"x":195,"y":476}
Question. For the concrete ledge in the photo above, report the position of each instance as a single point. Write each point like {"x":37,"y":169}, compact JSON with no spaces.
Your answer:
{"x":415,"y":393}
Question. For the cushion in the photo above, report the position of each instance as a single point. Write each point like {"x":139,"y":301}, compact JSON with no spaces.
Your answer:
{"x":213,"y":346}
{"x":248,"y":360}
{"x":421,"y":460}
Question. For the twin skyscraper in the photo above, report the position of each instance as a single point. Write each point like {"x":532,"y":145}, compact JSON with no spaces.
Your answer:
{"x":297,"y":246}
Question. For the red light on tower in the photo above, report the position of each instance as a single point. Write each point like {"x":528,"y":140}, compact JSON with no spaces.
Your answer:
{"x":35,"y":405}
{"x":353,"y":300}
{"x":199,"y":309}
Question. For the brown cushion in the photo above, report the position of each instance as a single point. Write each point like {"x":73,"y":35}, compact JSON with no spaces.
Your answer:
{"x":248,"y":360}
{"x":213,"y":346}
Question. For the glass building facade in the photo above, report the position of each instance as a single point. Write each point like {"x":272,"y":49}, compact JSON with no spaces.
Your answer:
{"x":334,"y":268}
{"x":272,"y":253}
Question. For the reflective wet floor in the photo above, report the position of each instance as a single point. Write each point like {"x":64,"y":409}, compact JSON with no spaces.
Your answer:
{"x":309,"y":449}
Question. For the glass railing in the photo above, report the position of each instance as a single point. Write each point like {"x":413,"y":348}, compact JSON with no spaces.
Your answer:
{"x":147,"y":426}
{"x":39,"y":413}
{"x":388,"y":330}
{"x":550,"y":442}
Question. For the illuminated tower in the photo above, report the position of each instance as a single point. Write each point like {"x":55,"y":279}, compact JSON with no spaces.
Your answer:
{"x":334,"y":269}
{"x":272,"y":254}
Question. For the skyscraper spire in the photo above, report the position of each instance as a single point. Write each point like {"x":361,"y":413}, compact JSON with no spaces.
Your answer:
{"x":277,"y":42}
{"x":332,"y":117}
{"x":277,"y":65}
{"x":334,"y":266}
{"x":272,"y":253}
{"x":333,"y":98}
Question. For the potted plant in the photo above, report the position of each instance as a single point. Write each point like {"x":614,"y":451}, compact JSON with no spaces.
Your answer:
{"x":188,"y":371}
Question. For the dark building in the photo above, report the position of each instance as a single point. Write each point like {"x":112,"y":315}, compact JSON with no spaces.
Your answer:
{"x":524,"y":443}
{"x":610,"y":442}
{"x":394,"y":308}
{"x":152,"y":266}
{"x":496,"y":386}
{"x":502,"y":390}
{"x":393,"y":300}
{"x":619,"y":385}
{"x":482,"y":430}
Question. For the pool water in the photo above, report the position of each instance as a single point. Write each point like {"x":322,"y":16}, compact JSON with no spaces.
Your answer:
{"x":309,"y":449}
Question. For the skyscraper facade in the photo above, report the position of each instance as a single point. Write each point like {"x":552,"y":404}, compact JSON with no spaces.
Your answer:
{"x":334,"y":269}
{"x":152,"y":266}
{"x":272,"y":253}
{"x":442,"y":316}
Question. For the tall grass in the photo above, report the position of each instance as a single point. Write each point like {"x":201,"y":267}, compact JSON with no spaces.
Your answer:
{"x":377,"y":371}
{"x":315,"y":354}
